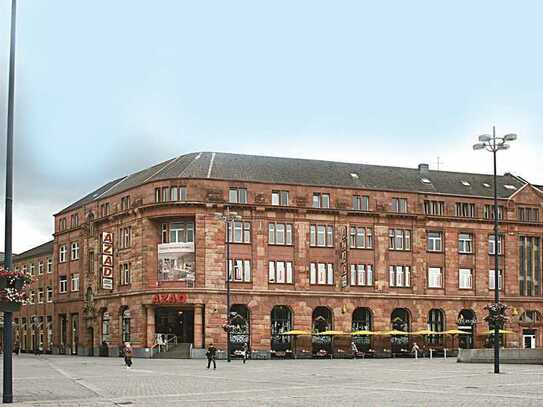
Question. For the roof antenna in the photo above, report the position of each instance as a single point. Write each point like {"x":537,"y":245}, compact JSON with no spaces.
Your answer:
{"x":438,"y":162}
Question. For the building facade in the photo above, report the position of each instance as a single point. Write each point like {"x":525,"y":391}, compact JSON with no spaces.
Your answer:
{"x":315,"y":246}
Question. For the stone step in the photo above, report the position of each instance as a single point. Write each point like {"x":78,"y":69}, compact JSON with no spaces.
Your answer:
{"x":179,"y":351}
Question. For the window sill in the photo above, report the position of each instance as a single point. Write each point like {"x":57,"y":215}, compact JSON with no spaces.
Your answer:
{"x":467,"y":253}
{"x":435,"y":288}
{"x":361,"y":248}
{"x":280,"y":245}
{"x":403,"y":286}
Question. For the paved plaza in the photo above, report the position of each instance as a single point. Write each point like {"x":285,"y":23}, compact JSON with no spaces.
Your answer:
{"x":81,"y":381}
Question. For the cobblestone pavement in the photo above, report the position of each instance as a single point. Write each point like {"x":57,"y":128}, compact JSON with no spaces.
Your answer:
{"x":79,"y":381}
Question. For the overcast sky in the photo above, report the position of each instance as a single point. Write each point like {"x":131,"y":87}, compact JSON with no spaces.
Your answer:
{"x":105,"y":88}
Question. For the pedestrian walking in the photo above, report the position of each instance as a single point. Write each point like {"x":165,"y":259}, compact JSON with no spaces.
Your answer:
{"x":354,"y":350}
{"x":127,"y":351}
{"x":211,"y":352}
{"x":245,"y":351}
{"x":415,"y":349}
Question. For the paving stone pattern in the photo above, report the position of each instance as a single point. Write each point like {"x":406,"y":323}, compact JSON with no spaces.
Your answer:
{"x":78,"y":381}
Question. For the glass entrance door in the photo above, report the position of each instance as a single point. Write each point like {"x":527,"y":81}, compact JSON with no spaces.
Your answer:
{"x":176,"y":321}
{"x":528,"y":338}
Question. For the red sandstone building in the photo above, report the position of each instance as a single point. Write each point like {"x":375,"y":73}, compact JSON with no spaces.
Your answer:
{"x":319,"y":246}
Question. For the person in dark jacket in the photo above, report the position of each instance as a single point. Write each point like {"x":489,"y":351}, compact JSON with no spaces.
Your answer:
{"x":211,"y":352}
{"x":245,"y":351}
{"x":127,"y":351}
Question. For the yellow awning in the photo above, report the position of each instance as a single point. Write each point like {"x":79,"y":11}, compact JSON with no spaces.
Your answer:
{"x":501,"y":331}
{"x":426,"y":332}
{"x":330,"y":333}
{"x":457,"y":332}
{"x":363,"y":332}
{"x":296,"y":332}
{"x":391,"y":332}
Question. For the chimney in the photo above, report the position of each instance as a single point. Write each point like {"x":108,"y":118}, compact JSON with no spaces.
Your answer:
{"x":424,"y":168}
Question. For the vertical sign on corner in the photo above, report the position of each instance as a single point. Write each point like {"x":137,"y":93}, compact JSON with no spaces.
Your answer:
{"x":343,"y":258}
{"x":107,"y":260}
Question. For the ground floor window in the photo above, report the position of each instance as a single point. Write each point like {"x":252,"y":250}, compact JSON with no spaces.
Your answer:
{"x":400,"y":321}
{"x":240,"y":320}
{"x":281,"y":321}
{"x":126,"y":322}
{"x":361,"y":321}
{"x":321,"y":322}
{"x":466,"y":322}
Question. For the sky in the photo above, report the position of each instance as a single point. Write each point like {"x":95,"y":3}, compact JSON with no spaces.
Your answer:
{"x":105,"y":88}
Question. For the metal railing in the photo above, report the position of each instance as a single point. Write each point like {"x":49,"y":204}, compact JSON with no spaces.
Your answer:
{"x":163,"y":342}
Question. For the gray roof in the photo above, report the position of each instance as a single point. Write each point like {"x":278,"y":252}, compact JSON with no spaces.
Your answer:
{"x":277,"y":170}
{"x":41,"y":250}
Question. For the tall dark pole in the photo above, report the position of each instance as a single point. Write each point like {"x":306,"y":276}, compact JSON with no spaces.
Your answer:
{"x":229,"y":227}
{"x":496,"y":260}
{"x":7,"y":395}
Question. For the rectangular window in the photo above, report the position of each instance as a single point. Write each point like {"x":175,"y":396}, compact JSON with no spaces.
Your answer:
{"x":321,"y":235}
{"x":63,"y":284}
{"x":465,"y":243}
{"x":435,"y":277}
{"x":40,"y":295}
{"x":435,"y":208}
{"x":530,"y":265}
{"x":49,"y":266}
{"x":465,"y":278}
{"x":399,"y":239}
{"x":361,"y":202}
{"x":75,"y":282}
{"x":241,"y":232}
{"x":125,"y":274}
{"x":158,"y":195}
{"x":399,"y":276}
{"x":125,"y":237}
{"x":321,"y":273}
{"x":32,"y":269}
{"x":492,"y":244}
{"x":178,"y":232}
{"x":125,"y":203}
{"x":434,"y":241}
{"x":399,"y":205}
{"x":361,"y":275}
{"x":62,"y":224}
{"x":237,"y":195}
{"x":62,"y":253}
{"x":492,"y":279}
{"x":528,"y":214}
{"x":488,"y":212}
{"x":104,"y":209}
{"x":40,"y":267}
{"x":280,"y":272}
{"x":75,"y":251}
{"x":240,"y":270}
{"x":280,"y":234}
{"x":165,"y":194}
{"x":464,"y":210}
{"x":321,"y":200}
{"x":74,"y":220}
{"x":280,"y":198}
{"x":49,"y":295}
{"x":361,"y":237}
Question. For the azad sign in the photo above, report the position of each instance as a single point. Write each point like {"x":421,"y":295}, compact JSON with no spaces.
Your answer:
{"x":343,"y":257}
{"x":169,"y":298}
{"x":107,"y":260}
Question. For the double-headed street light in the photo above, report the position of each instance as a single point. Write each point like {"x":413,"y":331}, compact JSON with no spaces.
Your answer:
{"x":494,"y":144}
{"x":229,"y":218}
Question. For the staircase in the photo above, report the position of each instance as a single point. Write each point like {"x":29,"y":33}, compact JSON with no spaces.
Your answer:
{"x":177,"y":351}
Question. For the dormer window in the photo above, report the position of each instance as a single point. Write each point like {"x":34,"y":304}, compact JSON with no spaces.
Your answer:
{"x":425,"y":181}
{"x":510,"y":187}
{"x":321,"y":200}
{"x":486,"y":185}
{"x":237,"y":195}
{"x":466,"y":183}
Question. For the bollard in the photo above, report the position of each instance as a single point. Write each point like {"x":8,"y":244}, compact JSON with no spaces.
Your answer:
{"x":430,"y":353}
{"x":416,"y":354}
{"x":445,"y":353}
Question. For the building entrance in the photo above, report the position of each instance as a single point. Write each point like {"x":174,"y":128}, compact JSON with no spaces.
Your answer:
{"x":175,"y":321}
{"x":528,"y":336}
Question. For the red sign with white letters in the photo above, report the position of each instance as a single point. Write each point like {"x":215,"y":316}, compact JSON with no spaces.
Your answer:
{"x":169,"y":298}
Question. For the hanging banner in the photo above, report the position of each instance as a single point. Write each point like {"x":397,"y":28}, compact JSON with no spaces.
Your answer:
{"x":176,"y":261}
{"x":107,"y":260}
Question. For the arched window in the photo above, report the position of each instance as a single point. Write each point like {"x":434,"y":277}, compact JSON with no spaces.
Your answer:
{"x":126,"y":325}
{"x":466,"y":322}
{"x":281,"y":321}
{"x":400,"y":320}
{"x":436,"y":323}
{"x":240,"y":319}
{"x":362,"y":322}
{"x":322,"y":321}
{"x":531,"y":317}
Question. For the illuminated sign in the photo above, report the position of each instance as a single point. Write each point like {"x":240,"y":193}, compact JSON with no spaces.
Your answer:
{"x":107,"y":260}
{"x":169,"y":298}
{"x":343,"y":258}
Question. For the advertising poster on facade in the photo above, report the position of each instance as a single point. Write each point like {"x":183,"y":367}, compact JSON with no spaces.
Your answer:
{"x":176,"y":262}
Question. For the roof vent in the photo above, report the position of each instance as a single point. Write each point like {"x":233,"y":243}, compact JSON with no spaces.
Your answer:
{"x":508,"y":186}
{"x":486,"y":185}
{"x":425,"y":181}
{"x":466,"y":183}
{"x":424,"y":168}
{"x":354,"y":175}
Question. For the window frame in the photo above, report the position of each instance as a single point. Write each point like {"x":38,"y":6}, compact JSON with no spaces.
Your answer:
{"x":469,"y":278}
{"x":430,"y":279}
{"x":399,"y":276}
{"x":462,"y":243}
{"x":63,"y":282}
{"x":434,"y":240}
{"x":273,"y":272}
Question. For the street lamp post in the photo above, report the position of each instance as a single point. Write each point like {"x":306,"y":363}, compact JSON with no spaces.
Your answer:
{"x":228,"y":217}
{"x":7,"y":394}
{"x":493,"y":144}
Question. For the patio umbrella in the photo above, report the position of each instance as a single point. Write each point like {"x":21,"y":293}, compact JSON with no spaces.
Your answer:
{"x":363,"y":332}
{"x":501,"y":331}
{"x":423,"y":332}
{"x":296,"y":332}
{"x":392,"y":332}
{"x":457,"y":332}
